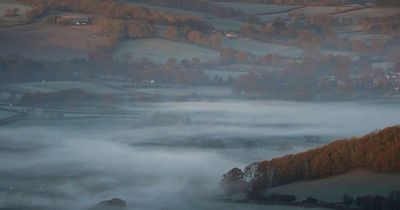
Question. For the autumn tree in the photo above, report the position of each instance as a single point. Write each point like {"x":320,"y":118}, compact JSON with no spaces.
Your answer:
{"x":171,"y":32}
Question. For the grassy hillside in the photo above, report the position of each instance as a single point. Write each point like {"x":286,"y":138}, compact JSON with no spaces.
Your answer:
{"x":49,"y":41}
{"x":377,"y":151}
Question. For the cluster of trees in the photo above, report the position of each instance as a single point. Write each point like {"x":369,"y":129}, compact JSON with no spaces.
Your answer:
{"x":208,"y":7}
{"x":377,"y":151}
{"x":316,"y":31}
{"x":118,"y":29}
{"x":213,"y":41}
{"x":299,"y":80}
{"x":20,"y":69}
{"x":322,"y":76}
{"x":385,"y":25}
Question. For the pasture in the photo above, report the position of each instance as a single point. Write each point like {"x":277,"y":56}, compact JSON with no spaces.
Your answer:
{"x":332,"y":189}
{"x":49,"y":42}
{"x":257,"y":9}
{"x":370,"y":12}
{"x":261,"y":48}
{"x":219,"y":23}
{"x":161,"y":50}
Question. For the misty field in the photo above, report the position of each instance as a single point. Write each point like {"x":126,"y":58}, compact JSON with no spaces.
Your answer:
{"x":161,"y":50}
{"x":73,"y":164}
{"x":5,"y":114}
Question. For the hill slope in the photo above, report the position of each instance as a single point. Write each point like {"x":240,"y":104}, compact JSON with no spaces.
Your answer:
{"x":377,"y":151}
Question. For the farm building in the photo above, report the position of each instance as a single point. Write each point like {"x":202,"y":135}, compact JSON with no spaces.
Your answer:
{"x":73,"y":19}
{"x":231,"y":34}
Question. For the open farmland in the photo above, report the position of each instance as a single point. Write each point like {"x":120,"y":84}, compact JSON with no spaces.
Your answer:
{"x":257,"y":9}
{"x":273,"y":17}
{"x":262,"y":48}
{"x":313,"y":10}
{"x":306,"y":11}
{"x":160,"y":50}
{"x":219,"y":23}
{"x":370,"y":12}
{"x":49,"y":42}
{"x":332,"y":189}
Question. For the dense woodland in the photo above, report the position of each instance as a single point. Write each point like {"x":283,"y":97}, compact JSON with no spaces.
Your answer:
{"x":377,"y":151}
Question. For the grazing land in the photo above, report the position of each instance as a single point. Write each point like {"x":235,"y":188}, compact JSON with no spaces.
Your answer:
{"x":219,"y":23}
{"x":161,"y":50}
{"x":49,"y":42}
{"x":262,"y":48}
{"x":332,"y":189}
{"x":257,"y":9}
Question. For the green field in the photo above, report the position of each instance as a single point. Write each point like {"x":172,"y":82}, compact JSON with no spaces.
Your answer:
{"x":313,"y":10}
{"x":160,"y":50}
{"x":371,"y":12}
{"x":261,"y":48}
{"x":255,"y":9}
{"x":332,"y":189}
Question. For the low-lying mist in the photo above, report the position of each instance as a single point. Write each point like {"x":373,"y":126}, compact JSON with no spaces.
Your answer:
{"x":169,"y":157}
